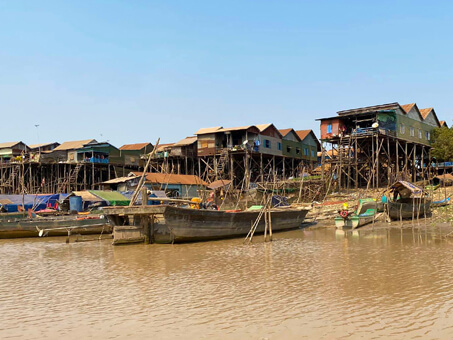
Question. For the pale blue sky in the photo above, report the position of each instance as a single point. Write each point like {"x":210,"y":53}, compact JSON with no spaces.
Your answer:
{"x":133,"y":71}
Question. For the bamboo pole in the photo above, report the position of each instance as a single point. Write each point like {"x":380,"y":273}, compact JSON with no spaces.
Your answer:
{"x":142,"y":179}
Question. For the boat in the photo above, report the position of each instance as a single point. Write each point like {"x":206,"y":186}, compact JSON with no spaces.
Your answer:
{"x":18,"y":226}
{"x":441,"y":203}
{"x":407,"y":201}
{"x":174,"y":224}
{"x":364,"y":214}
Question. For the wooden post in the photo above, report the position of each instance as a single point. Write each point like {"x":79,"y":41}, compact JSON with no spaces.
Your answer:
{"x":261,"y":168}
{"x":414,"y":168}
{"x":397,"y":160}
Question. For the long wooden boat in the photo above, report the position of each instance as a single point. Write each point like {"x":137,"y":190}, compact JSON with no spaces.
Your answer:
{"x":409,"y":208}
{"x":171,"y":224}
{"x":53,"y":226}
{"x":364,"y":214}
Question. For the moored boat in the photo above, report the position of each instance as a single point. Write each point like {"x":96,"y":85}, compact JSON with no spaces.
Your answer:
{"x":171,"y":224}
{"x":53,"y":226}
{"x":364,"y":214}
{"x":408,"y":201}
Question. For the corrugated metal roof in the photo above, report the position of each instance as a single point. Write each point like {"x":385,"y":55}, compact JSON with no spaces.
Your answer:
{"x":284,"y":132}
{"x":263,"y":127}
{"x":390,"y":106}
{"x":407,"y":107}
{"x":110,"y":196}
{"x":208,"y":130}
{"x":8,"y":144}
{"x":303,"y":133}
{"x":119,"y":180}
{"x":425,"y":112}
{"x":162,"y":147}
{"x":219,"y":184}
{"x":74,"y":145}
{"x":87,"y":196}
{"x":239,"y":128}
{"x":186,"y":141}
{"x":135,"y":147}
{"x":36,"y":146}
{"x":172,"y":179}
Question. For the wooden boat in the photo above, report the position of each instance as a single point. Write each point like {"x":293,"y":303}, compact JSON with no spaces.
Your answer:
{"x":441,"y":203}
{"x":53,"y":226}
{"x":364,"y":214}
{"x":409,"y":201}
{"x":171,"y":224}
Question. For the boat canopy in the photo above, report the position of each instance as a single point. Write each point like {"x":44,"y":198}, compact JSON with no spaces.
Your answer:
{"x":407,"y":189}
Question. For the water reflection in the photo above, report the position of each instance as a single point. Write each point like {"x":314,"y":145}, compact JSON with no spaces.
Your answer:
{"x":312,"y":283}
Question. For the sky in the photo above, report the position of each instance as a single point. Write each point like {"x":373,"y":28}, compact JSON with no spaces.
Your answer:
{"x":135,"y":71}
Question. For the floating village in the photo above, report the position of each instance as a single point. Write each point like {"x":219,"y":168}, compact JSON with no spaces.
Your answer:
{"x":371,"y":165}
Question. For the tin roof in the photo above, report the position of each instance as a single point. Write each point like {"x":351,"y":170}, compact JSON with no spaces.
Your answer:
{"x":113,"y":197}
{"x":36,"y":146}
{"x":284,"y":132}
{"x":77,"y":144}
{"x":162,"y":147}
{"x":374,"y":108}
{"x":172,"y":179}
{"x":186,"y":141}
{"x":407,"y":107}
{"x":86,"y":196}
{"x":240,"y":128}
{"x":119,"y":180}
{"x":204,"y":131}
{"x":303,"y":133}
{"x":8,"y":144}
{"x":135,"y":147}
{"x":219,"y":184}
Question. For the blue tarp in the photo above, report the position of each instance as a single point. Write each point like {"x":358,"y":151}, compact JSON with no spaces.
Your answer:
{"x":35,"y":202}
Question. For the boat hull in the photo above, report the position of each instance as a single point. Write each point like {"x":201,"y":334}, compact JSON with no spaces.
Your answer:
{"x":397,"y":210}
{"x":58,"y":226}
{"x":178,"y":225}
{"x":352,"y":222}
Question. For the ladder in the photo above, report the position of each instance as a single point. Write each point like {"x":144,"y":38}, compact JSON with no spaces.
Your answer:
{"x":71,"y":179}
{"x":12,"y":176}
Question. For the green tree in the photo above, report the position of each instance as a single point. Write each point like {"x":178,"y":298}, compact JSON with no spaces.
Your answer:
{"x":442,"y":144}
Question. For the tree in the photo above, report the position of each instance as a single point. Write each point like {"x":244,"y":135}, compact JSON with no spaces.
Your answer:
{"x":442,"y":144}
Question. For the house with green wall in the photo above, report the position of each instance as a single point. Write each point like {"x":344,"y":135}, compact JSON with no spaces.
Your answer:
{"x":291,"y":143}
{"x":310,"y":146}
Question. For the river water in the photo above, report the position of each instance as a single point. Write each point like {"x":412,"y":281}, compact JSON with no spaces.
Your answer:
{"x":306,"y":284}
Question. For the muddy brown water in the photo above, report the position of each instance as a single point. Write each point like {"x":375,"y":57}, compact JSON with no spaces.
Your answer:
{"x":307,"y":284}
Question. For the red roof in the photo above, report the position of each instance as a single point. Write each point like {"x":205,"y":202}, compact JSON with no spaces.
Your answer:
{"x":425,"y":112}
{"x":137,"y":146}
{"x":284,"y":132}
{"x":407,"y":107}
{"x":303,"y":133}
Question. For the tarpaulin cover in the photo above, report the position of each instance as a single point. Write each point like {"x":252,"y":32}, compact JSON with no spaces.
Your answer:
{"x":35,"y":202}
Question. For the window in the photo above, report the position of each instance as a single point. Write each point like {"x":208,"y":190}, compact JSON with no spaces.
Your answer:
{"x":313,"y":153}
{"x":402,"y":128}
{"x":288,"y":149}
{"x":428,"y":135}
{"x":420,"y":135}
{"x":267,"y":143}
{"x":297,"y":151}
{"x":329,"y":128}
{"x":412,"y":132}
{"x":306,"y":151}
{"x":279,"y":146}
